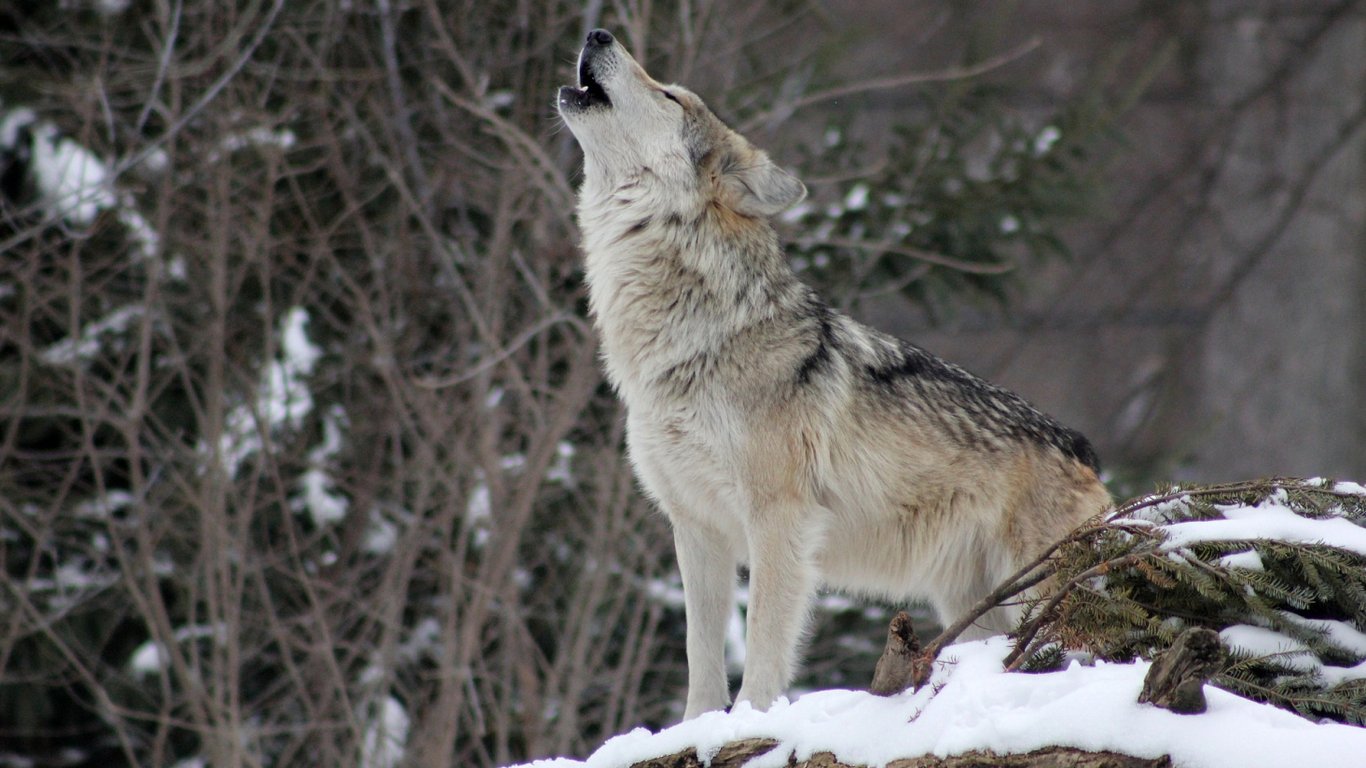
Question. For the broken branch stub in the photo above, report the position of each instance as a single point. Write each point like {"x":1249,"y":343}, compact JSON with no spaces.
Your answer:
{"x":1176,"y":680}
{"x":902,"y":664}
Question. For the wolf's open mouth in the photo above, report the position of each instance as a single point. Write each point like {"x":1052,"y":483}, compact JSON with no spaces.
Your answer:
{"x":591,"y":92}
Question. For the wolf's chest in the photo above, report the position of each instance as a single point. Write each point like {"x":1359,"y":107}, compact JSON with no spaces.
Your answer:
{"x":692,"y":462}
{"x":687,"y":416}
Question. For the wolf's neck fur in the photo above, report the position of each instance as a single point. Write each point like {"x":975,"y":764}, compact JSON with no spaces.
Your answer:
{"x":672,"y":283}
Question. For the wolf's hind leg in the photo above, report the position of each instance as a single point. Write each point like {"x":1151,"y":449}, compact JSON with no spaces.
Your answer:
{"x":708,"y":570}
{"x":958,"y":596}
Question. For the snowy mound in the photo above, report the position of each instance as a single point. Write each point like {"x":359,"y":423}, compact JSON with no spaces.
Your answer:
{"x":1272,"y":565}
{"x":971,"y":704}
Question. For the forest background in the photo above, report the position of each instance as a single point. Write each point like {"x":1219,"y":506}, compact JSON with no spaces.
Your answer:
{"x":305,"y":454}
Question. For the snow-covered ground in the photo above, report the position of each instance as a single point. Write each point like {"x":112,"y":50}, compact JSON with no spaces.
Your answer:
{"x":971,"y":704}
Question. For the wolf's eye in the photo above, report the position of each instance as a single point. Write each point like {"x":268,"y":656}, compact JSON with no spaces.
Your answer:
{"x":672,"y":98}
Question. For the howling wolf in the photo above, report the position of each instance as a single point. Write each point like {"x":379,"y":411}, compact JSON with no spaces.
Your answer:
{"x":772,"y":430}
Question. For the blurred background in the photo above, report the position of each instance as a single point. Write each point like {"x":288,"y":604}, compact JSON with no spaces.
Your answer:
{"x":305,"y":454}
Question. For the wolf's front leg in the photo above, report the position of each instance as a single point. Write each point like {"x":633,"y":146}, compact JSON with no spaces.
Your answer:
{"x":782,"y":582}
{"x":708,"y":569}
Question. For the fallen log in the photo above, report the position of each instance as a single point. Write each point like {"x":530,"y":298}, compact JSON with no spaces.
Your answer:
{"x":737,"y":753}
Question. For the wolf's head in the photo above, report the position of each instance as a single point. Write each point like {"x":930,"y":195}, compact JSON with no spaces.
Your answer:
{"x":630,"y":126}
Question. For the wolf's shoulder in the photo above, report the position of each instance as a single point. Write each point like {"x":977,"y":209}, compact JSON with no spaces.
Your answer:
{"x":968,"y":406}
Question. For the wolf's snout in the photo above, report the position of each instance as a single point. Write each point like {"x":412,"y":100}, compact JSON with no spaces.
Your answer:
{"x":589,"y":93}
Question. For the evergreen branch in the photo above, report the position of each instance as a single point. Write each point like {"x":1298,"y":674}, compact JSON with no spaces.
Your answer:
{"x":1025,"y":640}
{"x":1301,"y":703}
{"x":1149,"y":596}
{"x":1023,"y":579}
{"x":1265,"y":488}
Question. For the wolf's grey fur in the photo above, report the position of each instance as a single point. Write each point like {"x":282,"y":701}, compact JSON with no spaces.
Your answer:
{"x":772,"y":430}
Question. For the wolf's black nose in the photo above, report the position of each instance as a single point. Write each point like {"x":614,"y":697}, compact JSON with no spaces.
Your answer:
{"x":599,"y":37}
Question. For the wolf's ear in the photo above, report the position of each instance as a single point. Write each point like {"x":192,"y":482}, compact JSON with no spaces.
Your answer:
{"x":756,"y":187}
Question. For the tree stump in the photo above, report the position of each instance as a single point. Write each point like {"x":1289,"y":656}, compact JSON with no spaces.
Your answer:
{"x":902,"y":665}
{"x":1176,"y":680}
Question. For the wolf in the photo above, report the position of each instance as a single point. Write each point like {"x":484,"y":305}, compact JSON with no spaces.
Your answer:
{"x":773,"y":431}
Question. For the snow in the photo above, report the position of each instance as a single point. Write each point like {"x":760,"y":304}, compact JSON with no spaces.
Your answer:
{"x":71,"y":583}
{"x":1260,"y":641}
{"x":320,"y":498}
{"x":1272,"y":519}
{"x":323,"y":505}
{"x":478,"y":510}
{"x":1338,"y":633}
{"x":424,"y":641}
{"x":1159,"y":512}
{"x":262,"y":137}
{"x":496,"y":100}
{"x":282,"y":397}
{"x":797,"y":212}
{"x":73,"y":183}
{"x":14,"y":120}
{"x":73,"y":350}
{"x":479,"y":507}
{"x":1350,"y":487}
{"x":1046,"y":139}
{"x":108,"y":7}
{"x":102,"y":506}
{"x":148,"y":659}
{"x":857,"y":199}
{"x":146,"y":238}
{"x":151,"y":658}
{"x":1248,"y":561}
{"x":300,"y":354}
{"x":385,"y":735}
{"x":494,"y":397}
{"x":71,"y":179}
{"x":562,"y":471}
{"x":972,"y":704}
